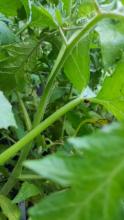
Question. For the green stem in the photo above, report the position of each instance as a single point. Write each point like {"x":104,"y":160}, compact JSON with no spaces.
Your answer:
{"x":18,"y":168}
{"x":63,"y":36}
{"x":81,"y":33}
{"x":13,"y":178}
{"x":91,"y":121}
{"x":25,"y":113}
{"x":23,"y":29}
{"x":64,"y":118}
{"x":63,"y":55}
{"x":11,"y":152}
{"x":73,"y":28}
{"x":97,"y":6}
{"x":70,"y":8}
{"x":50,"y":86}
{"x":15,"y":173}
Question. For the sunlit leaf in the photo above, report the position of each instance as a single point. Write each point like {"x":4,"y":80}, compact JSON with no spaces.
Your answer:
{"x":6,"y":115}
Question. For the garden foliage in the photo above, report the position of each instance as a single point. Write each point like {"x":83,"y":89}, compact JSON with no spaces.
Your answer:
{"x":62,"y":109}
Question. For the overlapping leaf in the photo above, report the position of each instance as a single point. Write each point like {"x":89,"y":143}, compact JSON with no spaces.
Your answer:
{"x":95,"y":177}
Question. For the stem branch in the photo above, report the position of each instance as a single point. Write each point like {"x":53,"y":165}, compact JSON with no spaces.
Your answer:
{"x":63,"y":55}
{"x":25,"y":113}
{"x":11,"y":152}
{"x":97,"y":6}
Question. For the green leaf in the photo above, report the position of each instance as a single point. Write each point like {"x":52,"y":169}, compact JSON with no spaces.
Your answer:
{"x":112,"y":41}
{"x":9,"y":209}
{"x":26,"y":191}
{"x":43,"y":17}
{"x":111,"y":94}
{"x":14,"y":60}
{"x":6,"y":35}
{"x":40,"y":16}
{"x":58,"y":93}
{"x":76,"y":67}
{"x":6,"y":115}
{"x":95,"y":177}
{"x":9,"y":8}
{"x":85,"y":8}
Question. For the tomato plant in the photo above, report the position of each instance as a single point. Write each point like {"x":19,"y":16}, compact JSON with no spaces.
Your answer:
{"x":61,"y":109}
